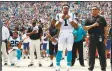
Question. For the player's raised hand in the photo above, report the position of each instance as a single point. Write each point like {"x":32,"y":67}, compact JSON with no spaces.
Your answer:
{"x":67,"y":16}
{"x":63,"y":16}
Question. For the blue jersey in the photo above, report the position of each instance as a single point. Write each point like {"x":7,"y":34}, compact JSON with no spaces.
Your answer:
{"x":14,"y":42}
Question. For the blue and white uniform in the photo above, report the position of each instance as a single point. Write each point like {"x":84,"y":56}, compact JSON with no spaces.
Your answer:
{"x":65,"y":37}
{"x":15,"y":52}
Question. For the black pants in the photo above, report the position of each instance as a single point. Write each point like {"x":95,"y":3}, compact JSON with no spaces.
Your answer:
{"x":111,"y":53}
{"x":0,"y":57}
{"x":79,"y":46}
{"x":52,"y":48}
{"x":96,"y":41}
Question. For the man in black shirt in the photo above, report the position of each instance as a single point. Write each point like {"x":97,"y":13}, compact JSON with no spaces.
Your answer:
{"x":97,"y":29}
{"x":35,"y":33}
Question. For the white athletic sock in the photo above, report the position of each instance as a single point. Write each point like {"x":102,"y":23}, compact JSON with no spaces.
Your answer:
{"x":39,"y":62}
{"x":57,"y":67}
{"x":18,"y":63}
{"x":68,"y":67}
{"x":51,"y":61}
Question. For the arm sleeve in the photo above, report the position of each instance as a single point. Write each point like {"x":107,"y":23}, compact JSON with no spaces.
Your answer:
{"x":104,"y":21}
{"x":101,"y":20}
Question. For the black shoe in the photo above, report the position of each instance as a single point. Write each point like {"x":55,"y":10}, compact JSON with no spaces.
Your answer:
{"x":82,"y":65}
{"x":103,"y":70}
{"x":51,"y":65}
{"x":35,"y":57}
{"x":30,"y":65}
{"x":12,"y":64}
{"x":72,"y":65}
{"x":28,"y":57}
{"x":90,"y":70}
{"x":40,"y":65}
{"x":5,"y":64}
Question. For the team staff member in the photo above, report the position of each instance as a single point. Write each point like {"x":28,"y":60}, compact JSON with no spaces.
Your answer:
{"x":5,"y":36}
{"x":35,"y":34}
{"x":79,"y":34}
{"x":97,"y":29}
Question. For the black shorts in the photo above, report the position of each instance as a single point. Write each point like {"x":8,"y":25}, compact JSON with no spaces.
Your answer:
{"x":52,"y":48}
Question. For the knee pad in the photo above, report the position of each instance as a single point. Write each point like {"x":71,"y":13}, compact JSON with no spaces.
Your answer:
{"x":18,"y":54}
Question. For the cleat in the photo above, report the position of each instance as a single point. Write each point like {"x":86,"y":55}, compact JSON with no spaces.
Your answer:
{"x":28,"y":57}
{"x":51,"y":65}
{"x":40,"y":65}
{"x":82,"y":65}
{"x":12,"y":64}
{"x":30,"y":65}
{"x":5,"y":64}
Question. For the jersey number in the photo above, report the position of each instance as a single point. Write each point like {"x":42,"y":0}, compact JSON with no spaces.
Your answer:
{"x":14,"y":43}
{"x":65,"y":22}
